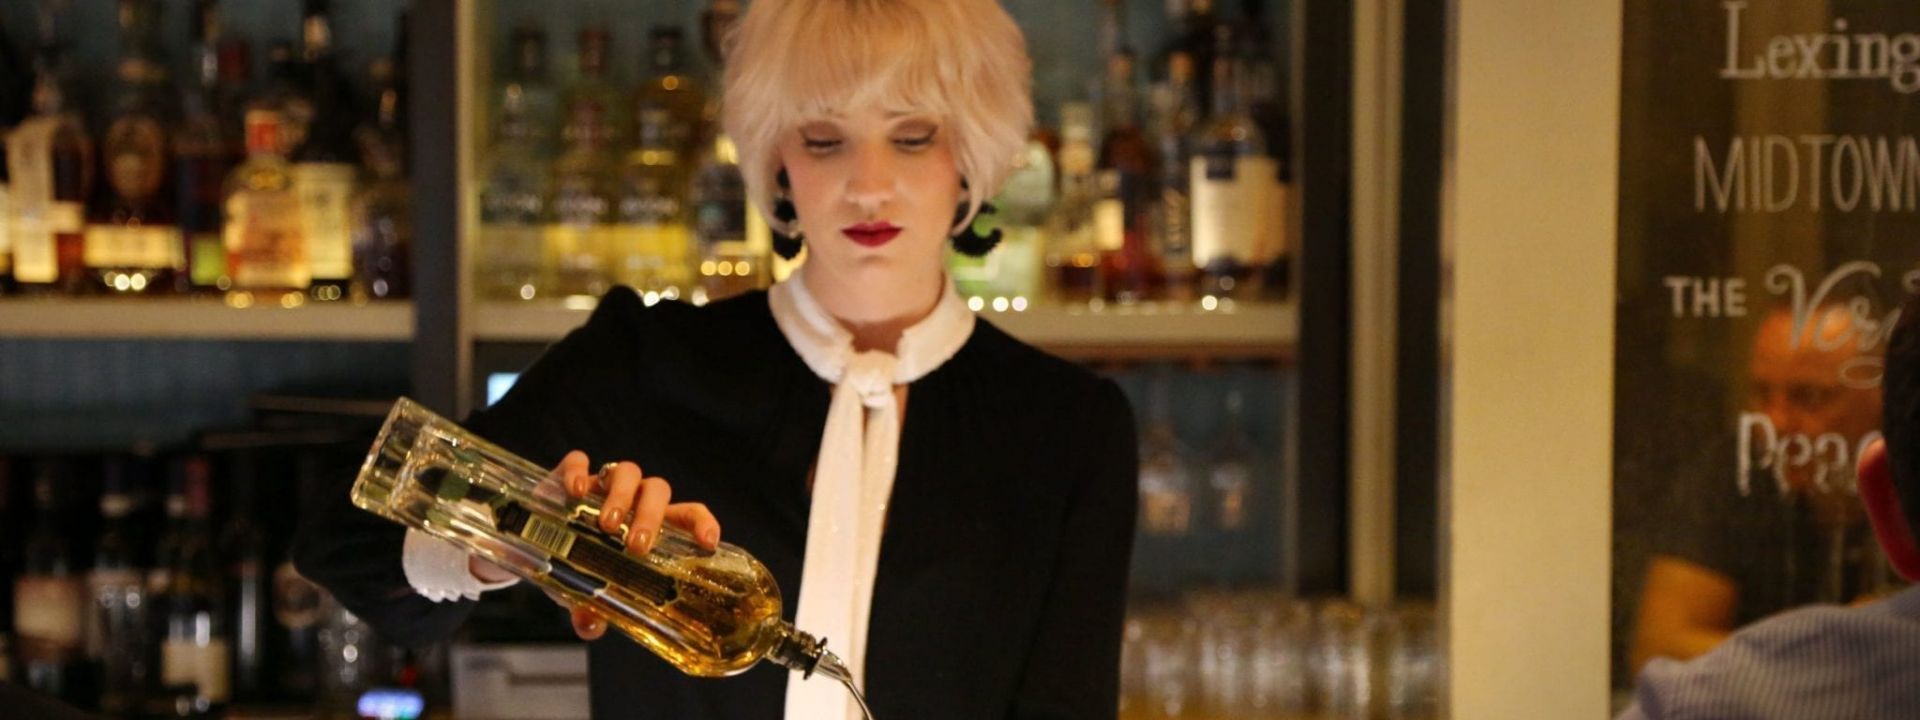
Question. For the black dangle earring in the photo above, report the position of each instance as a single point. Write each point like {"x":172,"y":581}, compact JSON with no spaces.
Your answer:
{"x":969,"y":241}
{"x":784,"y":245}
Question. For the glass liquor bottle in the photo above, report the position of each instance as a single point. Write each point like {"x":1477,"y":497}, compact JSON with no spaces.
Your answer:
{"x":1167,"y":486}
{"x":118,"y":635}
{"x":1017,"y":266}
{"x":1232,"y":176}
{"x":49,"y":596}
{"x":1073,"y":255}
{"x":1175,"y":113}
{"x":1129,"y":268}
{"x":132,"y":243}
{"x":670,"y":86}
{"x":266,"y":245}
{"x":735,"y":248}
{"x":585,"y":180}
{"x":16,"y":82}
{"x":51,"y":165}
{"x":382,"y":214}
{"x":195,"y":651}
{"x":243,"y":548}
{"x":203,"y":154}
{"x":653,"y":246}
{"x":1192,"y":24}
{"x":711,"y":613}
{"x":527,"y":92}
{"x":324,"y":171}
{"x":287,"y":92}
{"x":1267,"y":105}
{"x":513,"y":209}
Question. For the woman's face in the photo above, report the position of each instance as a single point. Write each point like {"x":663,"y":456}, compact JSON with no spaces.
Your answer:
{"x":875,"y":193}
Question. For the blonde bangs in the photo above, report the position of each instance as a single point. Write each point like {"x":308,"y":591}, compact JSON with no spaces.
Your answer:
{"x":962,"y":61}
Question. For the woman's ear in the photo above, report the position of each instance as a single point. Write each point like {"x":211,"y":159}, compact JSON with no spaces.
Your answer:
{"x":1890,"y":525}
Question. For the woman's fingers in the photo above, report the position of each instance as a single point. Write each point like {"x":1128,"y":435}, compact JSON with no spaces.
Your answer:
{"x":573,"y":473}
{"x":649,"y":512}
{"x":586,"y":624}
{"x":623,"y":482}
{"x":698,"y":521}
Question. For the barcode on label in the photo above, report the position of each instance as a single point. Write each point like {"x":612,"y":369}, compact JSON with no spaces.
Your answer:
{"x":548,"y":535}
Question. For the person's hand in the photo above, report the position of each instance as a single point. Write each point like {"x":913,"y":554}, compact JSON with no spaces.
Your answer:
{"x":641,"y":503}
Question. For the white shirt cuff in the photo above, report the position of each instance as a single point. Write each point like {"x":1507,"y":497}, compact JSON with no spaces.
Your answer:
{"x":438,"y":570}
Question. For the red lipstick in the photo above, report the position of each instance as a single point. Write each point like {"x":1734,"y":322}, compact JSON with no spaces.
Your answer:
{"x":872,"y":234}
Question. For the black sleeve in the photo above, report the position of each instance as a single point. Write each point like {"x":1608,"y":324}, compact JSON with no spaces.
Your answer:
{"x":1073,"y":670}
{"x":355,"y":554}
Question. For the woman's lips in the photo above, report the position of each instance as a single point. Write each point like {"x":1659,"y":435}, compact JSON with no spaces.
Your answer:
{"x":871,"y":234}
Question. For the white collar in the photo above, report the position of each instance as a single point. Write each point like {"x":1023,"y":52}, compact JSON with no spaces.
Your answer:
{"x":827,"y":348}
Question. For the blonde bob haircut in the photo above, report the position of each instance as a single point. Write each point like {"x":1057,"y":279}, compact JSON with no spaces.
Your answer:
{"x":962,"y":61}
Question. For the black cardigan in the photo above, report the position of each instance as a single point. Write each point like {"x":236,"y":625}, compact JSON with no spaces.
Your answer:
{"x":1002,"y":573}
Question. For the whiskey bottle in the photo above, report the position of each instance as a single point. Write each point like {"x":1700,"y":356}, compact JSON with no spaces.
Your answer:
{"x":132,"y":243}
{"x":203,"y":153}
{"x":266,"y":245}
{"x":195,"y":652}
{"x":585,"y":180}
{"x":382,"y":214}
{"x":1073,"y":253}
{"x":527,"y":92}
{"x":118,"y":635}
{"x":49,"y":595}
{"x":514,"y":199}
{"x":324,"y":172}
{"x":1232,"y":180}
{"x":711,"y":613}
{"x":1130,"y":270}
{"x":50,"y":157}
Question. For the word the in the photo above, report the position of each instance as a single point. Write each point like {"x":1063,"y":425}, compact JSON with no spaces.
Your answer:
{"x":1707,"y":297}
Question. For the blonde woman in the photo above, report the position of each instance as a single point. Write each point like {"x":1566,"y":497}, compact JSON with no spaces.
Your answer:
{"x":951,"y":509}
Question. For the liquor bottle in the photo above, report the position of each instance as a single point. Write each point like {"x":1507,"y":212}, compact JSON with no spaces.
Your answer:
{"x":288,"y":93}
{"x":119,"y":633}
{"x":652,"y":247}
{"x":132,"y":243}
{"x":243,"y":548}
{"x":203,"y":155}
{"x":1192,"y":24}
{"x":1232,"y":178}
{"x":670,"y":86}
{"x":49,"y":599}
{"x":710,"y":613}
{"x":11,"y":521}
{"x":1167,"y":487}
{"x":1267,"y":104}
{"x":1017,"y":266}
{"x":16,"y":84}
{"x":1073,"y":255}
{"x":585,"y":179}
{"x":513,"y":208}
{"x":298,"y":604}
{"x":324,"y":171}
{"x":50,"y":157}
{"x":1230,"y":468}
{"x":195,"y":652}
{"x":527,"y":92}
{"x":1124,"y":216}
{"x":1175,"y":114}
{"x":382,"y":213}
{"x":729,"y":262}
{"x":266,"y":245}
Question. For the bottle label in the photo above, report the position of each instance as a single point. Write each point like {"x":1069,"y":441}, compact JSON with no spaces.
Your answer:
{"x":209,"y":258}
{"x":265,"y":246}
{"x":133,"y":246}
{"x":1274,"y":242}
{"x":325,"y":191}
{"x":136,"y":156}
{"x":49,"y":610}
{"x":547,"y":535}
{"x":184,"y":662}
{"x":1110,"y":224}
{"x":1230,"y":200}
{"x":30,"y":164}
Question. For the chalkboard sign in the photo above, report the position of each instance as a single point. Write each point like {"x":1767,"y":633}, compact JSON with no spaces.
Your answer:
{"x":1769,"y":229}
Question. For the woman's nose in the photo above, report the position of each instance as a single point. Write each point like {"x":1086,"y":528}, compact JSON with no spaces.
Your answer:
{"x":872,"y":182}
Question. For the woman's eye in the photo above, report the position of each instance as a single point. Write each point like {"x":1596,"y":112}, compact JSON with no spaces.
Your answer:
{"x":820,"y":146}
{"x":914,"y":143}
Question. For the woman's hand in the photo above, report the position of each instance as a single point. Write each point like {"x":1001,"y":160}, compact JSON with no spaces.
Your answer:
{"x":643,"y":503}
